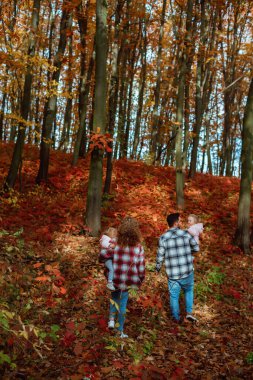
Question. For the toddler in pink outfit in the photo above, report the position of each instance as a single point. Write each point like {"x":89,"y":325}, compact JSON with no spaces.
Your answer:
{"x":195,"y":228}
{"x":108,"y":241}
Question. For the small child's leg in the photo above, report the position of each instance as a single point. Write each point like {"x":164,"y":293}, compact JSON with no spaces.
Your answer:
{"x":109,"y":266}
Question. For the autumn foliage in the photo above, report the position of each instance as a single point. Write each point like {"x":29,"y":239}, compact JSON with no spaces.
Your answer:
{"x":54,"y":303}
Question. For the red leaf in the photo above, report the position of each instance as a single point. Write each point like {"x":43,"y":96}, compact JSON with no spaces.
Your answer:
{"x":10,"y":341}
{"x":178,"y":374}
{"x":70,"y":326}
{"x":68,"y":339}
{"x":233,"y":293}
{"x":102,"y":323}
{"x":78,"y":349}
{"x":63,"y":290}
{"x":117,"y":364}
{"x":37,"y":265}
{"x":43,"y":278}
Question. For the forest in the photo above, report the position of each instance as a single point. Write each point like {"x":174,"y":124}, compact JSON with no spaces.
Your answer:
{"x":124,"y":108}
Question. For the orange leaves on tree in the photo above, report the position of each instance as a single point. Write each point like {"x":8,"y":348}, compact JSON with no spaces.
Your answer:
{"x":100,"y":141}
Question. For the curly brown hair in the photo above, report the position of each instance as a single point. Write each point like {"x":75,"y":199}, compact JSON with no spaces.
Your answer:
{"x":129,"y":233}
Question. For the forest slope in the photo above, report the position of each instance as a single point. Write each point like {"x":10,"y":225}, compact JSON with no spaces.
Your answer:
{"x":54,"y":302}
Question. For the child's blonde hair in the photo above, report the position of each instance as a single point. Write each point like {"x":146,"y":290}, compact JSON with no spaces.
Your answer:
{"x":195,"y":218}
{"x":111,"y":232}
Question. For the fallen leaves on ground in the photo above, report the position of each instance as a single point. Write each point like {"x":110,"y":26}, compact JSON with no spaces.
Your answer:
{"x":54,"y":302}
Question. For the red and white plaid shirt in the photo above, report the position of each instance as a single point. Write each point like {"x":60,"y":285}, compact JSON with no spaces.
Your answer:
{"x":128,"y":265}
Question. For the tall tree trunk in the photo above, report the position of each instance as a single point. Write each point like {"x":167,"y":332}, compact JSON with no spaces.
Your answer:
{"x":188,"y":74}
{"x":51,"y":103}
{"x":242,"y":235}
{"x":113,"y":93}
{"x":204,"y":76}
{"x":68,"y":109}
{"x":84,"y":83}
{"x":82,"y":133}
{"x":199,"y":92}
{"x":122,"y":105}
{"x":94,"y":195}
{"x":141,"y":93}
{"x":186,"y":125}
{"x":155,"y":121}
{"x":4,"y":97}
{"x":229,"y":98}
{"x":3,"y":108}
{"x":180,"y":111}
{"x":231,"y":70}
{"x":37,"y":119}
{"x":25,"y":101}
{"x":129,"y":103}
{"x":209,"y":158}
{"x":128,"y":115}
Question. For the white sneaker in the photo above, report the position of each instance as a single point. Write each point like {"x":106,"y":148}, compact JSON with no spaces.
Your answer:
{"x":191,"y":318}
{"x":110,"y":286}
{"x":122,"y":335}
{"x":111,"y":324}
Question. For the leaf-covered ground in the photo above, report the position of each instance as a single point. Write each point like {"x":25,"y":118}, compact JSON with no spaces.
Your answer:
{"x":54,"y":303}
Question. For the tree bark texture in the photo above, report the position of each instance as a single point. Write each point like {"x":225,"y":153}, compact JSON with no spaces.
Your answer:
{"x":51,"y":103}
{"x":242,"y":236}
{"x":25,"y":101}
{"x":94,"y":195}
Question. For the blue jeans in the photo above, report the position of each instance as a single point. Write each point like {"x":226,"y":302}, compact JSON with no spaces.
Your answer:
{"x":119,"y":305}
{"x":109,"y":266}
{"x":175,"y":286}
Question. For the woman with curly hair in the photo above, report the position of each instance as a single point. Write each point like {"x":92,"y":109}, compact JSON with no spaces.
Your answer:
{"x":129,"y":270}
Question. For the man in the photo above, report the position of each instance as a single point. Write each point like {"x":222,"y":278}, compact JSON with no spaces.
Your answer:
{"x":176,"y":247}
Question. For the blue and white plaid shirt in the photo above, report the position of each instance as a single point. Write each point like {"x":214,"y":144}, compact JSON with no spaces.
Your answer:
{"x":176,"y":247}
